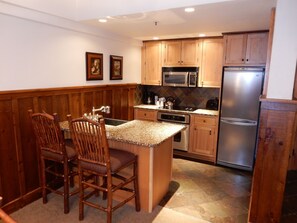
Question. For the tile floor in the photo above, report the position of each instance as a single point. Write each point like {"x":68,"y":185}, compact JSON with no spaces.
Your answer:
{"x":198,"y":193}
{"x":212,"y":193}
{"x":289,"y":210}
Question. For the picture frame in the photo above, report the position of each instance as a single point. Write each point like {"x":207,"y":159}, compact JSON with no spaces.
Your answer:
{"x":116,"y":67}
{"x":94,"y":66}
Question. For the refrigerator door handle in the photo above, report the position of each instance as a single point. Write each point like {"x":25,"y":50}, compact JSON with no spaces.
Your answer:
{"x":239,"y":121}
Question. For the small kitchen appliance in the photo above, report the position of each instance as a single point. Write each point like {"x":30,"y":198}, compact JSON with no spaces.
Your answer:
{"x":180,"y":76}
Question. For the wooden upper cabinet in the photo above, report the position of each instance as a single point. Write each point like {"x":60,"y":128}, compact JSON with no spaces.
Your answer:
{"x":171,"y":52}
{"x":189,"y":52}
{"x":210,"y":73}
{"x":151,"y":73}
{"x":180,"y":53}
{"x":246,"y":49}
{"x":256,"y":48}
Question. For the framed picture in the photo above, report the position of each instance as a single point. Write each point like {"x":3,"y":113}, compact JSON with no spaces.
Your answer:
{"x":116,"y":67}
{"x":94,"y":66}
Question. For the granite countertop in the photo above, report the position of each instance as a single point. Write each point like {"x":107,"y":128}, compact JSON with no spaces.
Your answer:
{"x":197,"y":111}
{"x":142,"y":133}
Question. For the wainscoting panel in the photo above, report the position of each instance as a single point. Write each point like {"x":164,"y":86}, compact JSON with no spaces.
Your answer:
{"x":19,"y":163}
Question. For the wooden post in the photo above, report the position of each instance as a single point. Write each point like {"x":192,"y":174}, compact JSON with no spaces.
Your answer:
{"x":277,"y":136}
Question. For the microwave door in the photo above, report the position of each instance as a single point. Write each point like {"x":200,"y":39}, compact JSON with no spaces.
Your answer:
{"x":175,"y":79}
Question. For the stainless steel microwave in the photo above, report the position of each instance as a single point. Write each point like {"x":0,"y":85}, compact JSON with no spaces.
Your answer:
{"x":180,"y":76}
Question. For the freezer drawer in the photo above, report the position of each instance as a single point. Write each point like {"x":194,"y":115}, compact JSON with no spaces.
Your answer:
{"x":237,"y":143}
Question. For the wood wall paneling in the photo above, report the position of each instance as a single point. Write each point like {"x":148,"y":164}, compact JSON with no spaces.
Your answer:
{"x":61,"y":106}
{"x":45,"y":104}
{"x":28,"y":146}
{"x":88,"y":102}
{"x":10,"y":183}
{"x":99,"y":99}
{"x":116,"y":103}
{"x":277,"y":135}
{"x":131,"y":102}
{"x":19,"y":172}
{"x":75,"y":105}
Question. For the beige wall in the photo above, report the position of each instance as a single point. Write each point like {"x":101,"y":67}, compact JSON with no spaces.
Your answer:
{"x":284,"y":51}
{"x":41,"y":51}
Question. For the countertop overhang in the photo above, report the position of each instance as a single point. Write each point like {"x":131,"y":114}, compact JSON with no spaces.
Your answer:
{"x":143,"y":133}
{"x":138,"y":132}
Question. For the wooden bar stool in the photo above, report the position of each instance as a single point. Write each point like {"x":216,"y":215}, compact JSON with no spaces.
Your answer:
{"x":54,"y":152}
{"x":96,"y":158}
{"x":5,"y":217}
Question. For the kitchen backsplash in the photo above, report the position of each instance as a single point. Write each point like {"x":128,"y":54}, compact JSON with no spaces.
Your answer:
{"x":189,"y":97}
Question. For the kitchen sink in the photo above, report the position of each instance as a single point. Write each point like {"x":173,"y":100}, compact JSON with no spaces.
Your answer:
{"x":114,"y":122}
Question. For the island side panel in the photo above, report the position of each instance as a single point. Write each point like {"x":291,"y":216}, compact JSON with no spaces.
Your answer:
{"x":162,"y":170}
{"x":143,"y":172}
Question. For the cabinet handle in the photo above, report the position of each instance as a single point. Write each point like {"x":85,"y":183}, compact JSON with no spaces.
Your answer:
{"x":144,"y":114}
{"x":182,"y":62}
{"x":204,"y":120}
{"x":210,"y":132}
{"x":247,"y":59}
{"x":242,"y":59}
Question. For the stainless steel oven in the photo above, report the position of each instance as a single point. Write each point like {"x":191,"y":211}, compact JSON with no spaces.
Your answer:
{"x":181,"y":139}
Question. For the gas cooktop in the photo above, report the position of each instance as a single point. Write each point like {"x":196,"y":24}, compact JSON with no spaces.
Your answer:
{"x":184,"y":108}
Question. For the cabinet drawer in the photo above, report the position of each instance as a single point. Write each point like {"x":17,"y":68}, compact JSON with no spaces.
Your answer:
{"x":143,"y":114}
{"x":203,"y":120}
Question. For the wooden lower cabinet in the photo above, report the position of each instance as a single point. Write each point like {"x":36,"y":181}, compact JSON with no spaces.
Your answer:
{"x":145,"y":114}
{"x":203,"y":137}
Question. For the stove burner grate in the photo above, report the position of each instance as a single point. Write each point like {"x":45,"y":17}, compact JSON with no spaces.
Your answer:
{"x":184,"y":108}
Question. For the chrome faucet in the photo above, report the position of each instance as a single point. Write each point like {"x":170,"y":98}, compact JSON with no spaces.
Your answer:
{"x":105,"y":109}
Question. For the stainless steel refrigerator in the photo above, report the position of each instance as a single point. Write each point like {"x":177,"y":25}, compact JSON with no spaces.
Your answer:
{"x":241,"y":89}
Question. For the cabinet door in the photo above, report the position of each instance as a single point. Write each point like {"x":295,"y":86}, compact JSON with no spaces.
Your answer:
{"x":203,"y":137}
{"x":151,"y":63}
{"x":172,"y":53}
{"x":212,"y":63}
{"x":189,"y":52}
{"x":203,"y":140}
{"x":235,"y":49}
{"x":256,"y":49}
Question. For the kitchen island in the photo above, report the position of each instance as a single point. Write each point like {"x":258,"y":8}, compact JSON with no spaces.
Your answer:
{"x":152,"y":142}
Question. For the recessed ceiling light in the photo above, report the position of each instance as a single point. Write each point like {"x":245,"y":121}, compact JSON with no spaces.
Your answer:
{"x":102,"y":20}
{"x":189,"y":9}
{"x":155,"y":38}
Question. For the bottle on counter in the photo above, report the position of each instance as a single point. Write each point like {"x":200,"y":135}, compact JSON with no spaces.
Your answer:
{"x":156,"y":99}
{"x":162,"y":102}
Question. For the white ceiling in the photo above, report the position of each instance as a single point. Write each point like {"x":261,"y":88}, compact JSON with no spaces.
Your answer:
{"x":144,"y":19}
